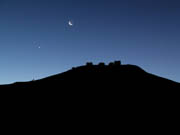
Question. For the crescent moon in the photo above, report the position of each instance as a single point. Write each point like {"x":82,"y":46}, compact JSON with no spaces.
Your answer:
{"x":70,"y":23}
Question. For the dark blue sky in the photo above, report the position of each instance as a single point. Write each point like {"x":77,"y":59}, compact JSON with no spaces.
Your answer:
{"x":141,"y":32}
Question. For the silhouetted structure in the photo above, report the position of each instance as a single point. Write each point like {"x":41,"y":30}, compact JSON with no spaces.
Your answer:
{"x":101,"y":64}
{"x":89,"y":64}
{"x":117,"y":63}
{"x":111,"y":64}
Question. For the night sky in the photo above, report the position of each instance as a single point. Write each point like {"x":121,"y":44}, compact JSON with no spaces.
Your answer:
{"x":36,"y":40}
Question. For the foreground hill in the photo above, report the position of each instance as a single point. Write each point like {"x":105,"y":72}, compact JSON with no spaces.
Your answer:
{"x":95,"y":99}
{"x":113,"y":76}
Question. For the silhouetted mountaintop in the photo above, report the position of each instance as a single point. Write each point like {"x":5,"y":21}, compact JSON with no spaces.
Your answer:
{"x":114,"y":75}
{"x":97,"y":95}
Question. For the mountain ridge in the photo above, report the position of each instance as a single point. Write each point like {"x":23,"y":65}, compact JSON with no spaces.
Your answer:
{"x":115,"y":72}
{"x":97,"y":95}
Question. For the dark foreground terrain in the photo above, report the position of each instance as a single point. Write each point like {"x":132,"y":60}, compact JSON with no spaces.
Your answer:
{"x":95,"y":99}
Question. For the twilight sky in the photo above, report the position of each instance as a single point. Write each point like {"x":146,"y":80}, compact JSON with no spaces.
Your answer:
{"x":36,"y":40}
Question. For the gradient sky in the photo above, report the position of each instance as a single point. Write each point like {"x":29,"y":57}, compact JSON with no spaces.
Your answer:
{"x":36,"y":40}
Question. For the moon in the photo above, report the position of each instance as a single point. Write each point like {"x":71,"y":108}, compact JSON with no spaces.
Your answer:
{"x":70,"y":23}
